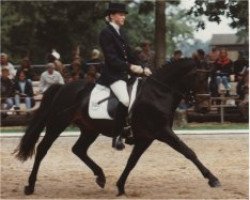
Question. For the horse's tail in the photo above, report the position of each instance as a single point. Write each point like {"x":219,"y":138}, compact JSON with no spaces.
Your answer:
{"x":27,"y":144}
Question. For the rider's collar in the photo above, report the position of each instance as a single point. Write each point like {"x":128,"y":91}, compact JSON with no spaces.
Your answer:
{"x":116,"y":27}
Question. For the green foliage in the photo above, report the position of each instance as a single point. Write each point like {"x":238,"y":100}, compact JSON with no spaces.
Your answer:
{"x":34,"y":28}
{"x":237,"y":10}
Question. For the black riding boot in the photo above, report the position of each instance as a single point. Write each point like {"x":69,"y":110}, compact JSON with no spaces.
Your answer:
{"x":120,"y":121}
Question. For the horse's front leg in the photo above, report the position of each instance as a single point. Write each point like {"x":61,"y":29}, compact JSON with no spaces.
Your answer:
{"x":139,"y":148}
{"x":169,"y":137}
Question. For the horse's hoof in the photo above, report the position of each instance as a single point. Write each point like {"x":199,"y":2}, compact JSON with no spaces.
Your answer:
{"x":214,"y":183}
{"x":121,"y":193}
{"x":119,"y":146}
{"x":28,"y":190}
{"x":101,"y":181}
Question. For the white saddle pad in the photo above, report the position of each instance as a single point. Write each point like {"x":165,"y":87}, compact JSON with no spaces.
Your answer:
{"x":100,"y":92}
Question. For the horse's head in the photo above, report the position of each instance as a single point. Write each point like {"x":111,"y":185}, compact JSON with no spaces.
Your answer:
{"x":195,"y":82}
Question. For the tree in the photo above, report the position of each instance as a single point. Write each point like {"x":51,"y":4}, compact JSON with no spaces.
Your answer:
{"x":34,"y":28}
{"x":160,"y":33}
{"x":237,"y":10}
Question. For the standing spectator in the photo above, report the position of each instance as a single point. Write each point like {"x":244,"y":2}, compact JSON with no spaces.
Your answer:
{"x":26,"y":68}
{"x":6,"y":64}
{"x":24,"y":91}
{"x":50,"y":77}
{"x":177,"y":56}
{"x":239,"y":65}
{"x":7,"y":91}
{"x":147,"y":56}
{"x":223,"y":67}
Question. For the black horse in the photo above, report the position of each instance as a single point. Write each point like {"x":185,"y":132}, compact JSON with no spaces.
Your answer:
{"x":152,"y":118}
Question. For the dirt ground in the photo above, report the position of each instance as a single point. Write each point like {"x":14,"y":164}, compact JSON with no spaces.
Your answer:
{"x":161,"y":172}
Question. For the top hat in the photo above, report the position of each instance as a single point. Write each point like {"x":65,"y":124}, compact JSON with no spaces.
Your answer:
{"x":116,"y":7}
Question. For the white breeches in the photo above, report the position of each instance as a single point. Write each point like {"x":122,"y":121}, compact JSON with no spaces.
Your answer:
{"x":119,"y":88}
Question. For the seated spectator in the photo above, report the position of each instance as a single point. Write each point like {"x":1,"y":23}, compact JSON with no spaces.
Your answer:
{"x":23,"y":91}
{"x":94,"y":62}
{"x":147,"y":56}
{"x":7,"y":91}
{"x":74,"y":77}
{"x":199,"y":57}
{"x":54,"y":57}
{"x":76,"y":68}
{"x":239,"y":65}
{"x":26,"y":68}
{"x":177,"y":56}
{"x":50,"y":77}
{"x":242,"y":86}
{"x":6,"y":64}
{"x":223,"y":69}
{"x":213,"y":55}
{"x":243,"y":92}
{"x":92,"y":75}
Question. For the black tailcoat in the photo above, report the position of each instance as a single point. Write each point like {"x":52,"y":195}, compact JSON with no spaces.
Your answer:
{"x":118,"y":56}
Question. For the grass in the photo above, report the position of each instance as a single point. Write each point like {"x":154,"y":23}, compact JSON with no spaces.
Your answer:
{"x":190,"y":126}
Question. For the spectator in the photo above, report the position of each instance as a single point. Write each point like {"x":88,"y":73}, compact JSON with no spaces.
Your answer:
{"x":74,"y":77}
{"x":94,"y":62}
{"x":23,"y":91}
{"x":200,"y":59}
{"x":76,"y":69}
{"x":213,"y":55}
{"x":50,"y":77}
{"x":243,"y":84}
{"x":223,"y":68}
{"x":239,"y":65}
{"x":177,"y":56}
{"x":7,"y":91}
{"x":6,"y":64}
{"x":26,"y":68}
{"x":243,"y":92}
{"x":92,"y":74}
{"x":54,"y":57}
{"x":147,"y":56}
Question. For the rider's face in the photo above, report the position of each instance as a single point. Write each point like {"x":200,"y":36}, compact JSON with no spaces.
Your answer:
{"x":118,"y":18}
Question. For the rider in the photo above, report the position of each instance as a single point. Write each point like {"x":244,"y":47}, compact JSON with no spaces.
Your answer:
{"x":119,"y":61}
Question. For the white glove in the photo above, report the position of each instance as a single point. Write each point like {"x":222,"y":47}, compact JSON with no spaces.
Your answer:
{"x":137,"y":69}
{"x":147,"y":71}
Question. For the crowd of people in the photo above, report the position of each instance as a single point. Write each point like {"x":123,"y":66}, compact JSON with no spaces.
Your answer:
{"x":16,"y":84}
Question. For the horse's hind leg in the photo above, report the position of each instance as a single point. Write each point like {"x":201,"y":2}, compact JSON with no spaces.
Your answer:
{"x":169,"y":137}
{"x":80,"y":149}
{"x":42,"y":149}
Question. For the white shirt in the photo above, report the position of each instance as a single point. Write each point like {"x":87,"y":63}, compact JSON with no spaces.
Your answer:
{"x":116,"y":27}
{"x":47,"y":80}
{"x":11,"y":68}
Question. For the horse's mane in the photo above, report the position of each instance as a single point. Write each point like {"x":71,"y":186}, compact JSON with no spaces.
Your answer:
{"x":174,"y":71}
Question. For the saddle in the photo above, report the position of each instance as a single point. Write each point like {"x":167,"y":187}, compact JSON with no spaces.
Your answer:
{"x":103,"y":103}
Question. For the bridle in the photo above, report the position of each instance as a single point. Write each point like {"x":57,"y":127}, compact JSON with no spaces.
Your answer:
{"x":188,"y":96}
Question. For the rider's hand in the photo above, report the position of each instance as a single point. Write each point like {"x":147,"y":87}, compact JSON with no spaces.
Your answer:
{"x":137,"y":69}
{"x":147,"y":71}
